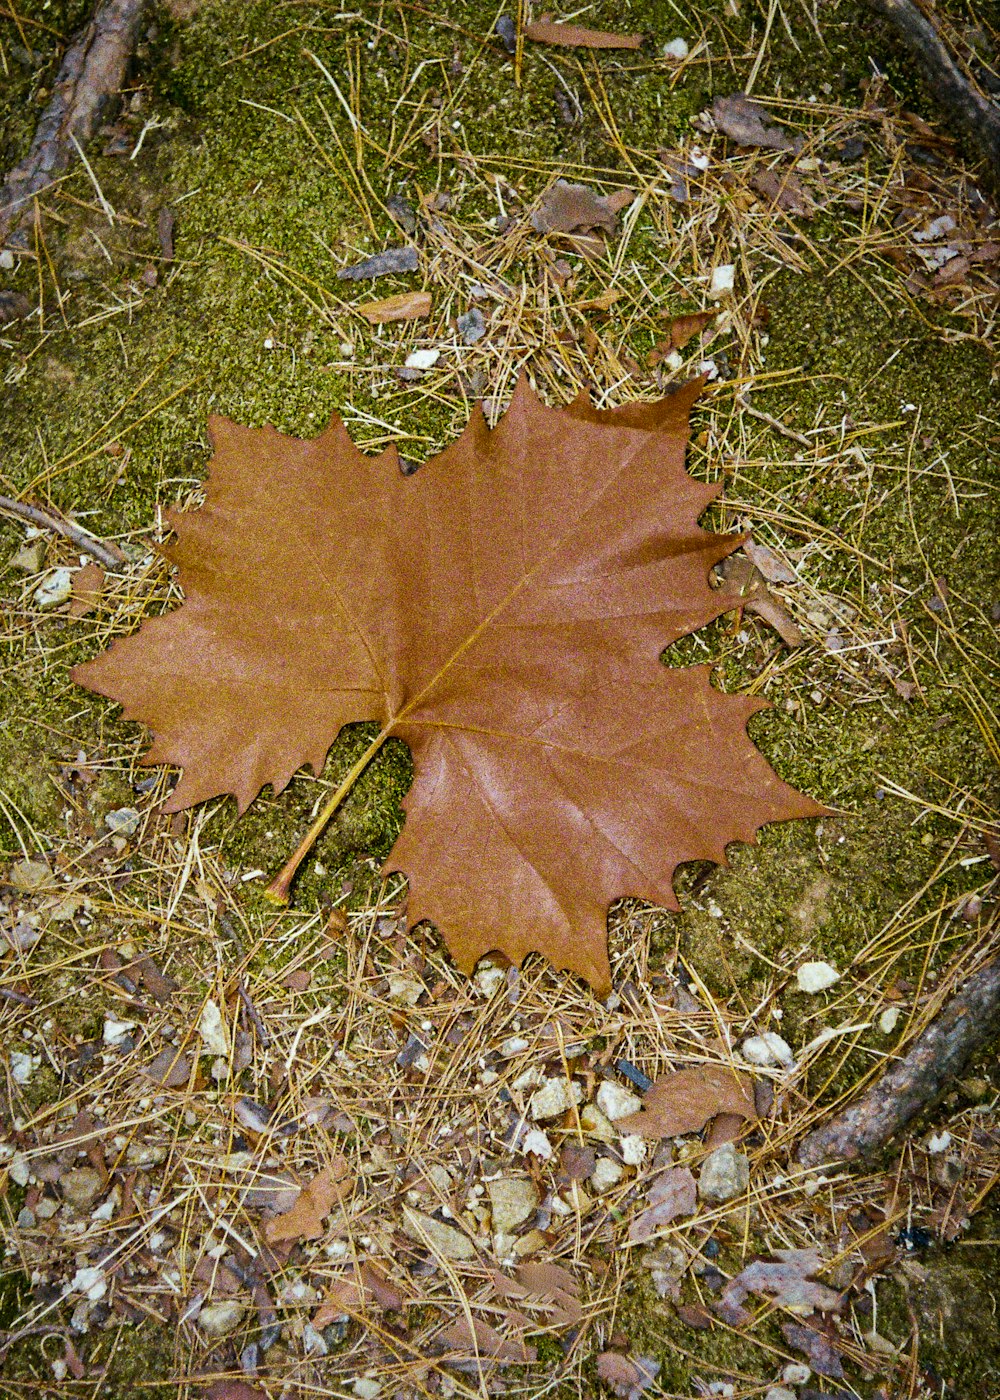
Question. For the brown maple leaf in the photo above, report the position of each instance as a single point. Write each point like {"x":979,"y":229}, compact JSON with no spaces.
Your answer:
{"x":503,"y":612}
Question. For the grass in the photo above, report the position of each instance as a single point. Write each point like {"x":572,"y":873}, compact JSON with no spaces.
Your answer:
{"x":852,"y":424}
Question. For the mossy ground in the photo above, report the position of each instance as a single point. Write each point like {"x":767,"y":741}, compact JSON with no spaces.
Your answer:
{"x":231,"y":153}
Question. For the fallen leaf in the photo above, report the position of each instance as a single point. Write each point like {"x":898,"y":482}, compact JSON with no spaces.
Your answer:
{"x":821,"y":1350}
{"x":234,"y":1390}
{"x":787,"y":1279}
{"x":602,"y":302}
{"x":304,"y":1220}
{"x":485,"y":1341}
{"x":564,"y":208}
{"x":684,"y":328}
{"x":170,"y":1068}
{"x":88,"y":584}
{"x":502,"y":611}
{"x":743,"y":582}
{"x":684,"y":1101}
{"x":406,"y":306}
{"x":380,"y":264}
{"x":626,"y":1376}
{"x":783,"y":189}
{"x":349,"y":1295}
{"x":694,"y":1315}
{"x":547,"y":31}
{"x":672,"y":1194}
{"x":770,"y":565}
{"x":747,"y":123}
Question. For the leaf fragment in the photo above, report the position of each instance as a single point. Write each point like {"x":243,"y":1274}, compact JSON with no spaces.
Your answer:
{"x":304,"y":1220}
{"x":684,"y":1101}
{"x":405,"y":306}
{"x":748,"y":124}
{"x":548,"y":31}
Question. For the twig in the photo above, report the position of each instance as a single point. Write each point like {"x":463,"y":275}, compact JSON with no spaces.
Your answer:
{"x":969,"y":1021}
{"x":91,"y":73}
{"x":22,"y":999}
{"x":107,"y":554}
{"x":253,"y":1014}
{"x":774,"y":423}
{"x":969,"y":108}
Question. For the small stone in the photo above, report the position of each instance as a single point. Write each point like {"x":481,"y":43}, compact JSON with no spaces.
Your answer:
{"x":513,"y":1200}
{"x":222,"y":1318}
{"x":555,"y":1096}
{"x":89,"y":1281}
{"x":939,"y":1142}
{"x":25,"y":1219}
{"x":405,"y":988}
{"x":55,"y":588}
{"x":887,"y":1021}
{"x":514,"y":1045}
{"x":796,"y":1373}
{"x":597,"y":1124}
{"x":606,"y":1174}
{"x":7,"y":260}
{"x":123,"y":821}
{"x":723,"y":281}
{"x":616,"y":1102}
{"x":144,"y":1154}
{"x":21,"y":1066}
{"x":725,"y":1173}
{"x":676,"y":49}
{"x":633,"y":1148}
{"x":472,"y":326}
{"x":768,"y":1048}
{"x":313,"y":1342}
{"x":81,"y":1187}
{"x":422,"y":359}
{"x":18,"y":1169}
{"x":537,"y":1143}
{"x":780,"y":1392}
{"x":29,"y":876}
{"x":531,"y":1243}
{"x":117,"y":1031}
{"x":489,"y":979}
{"x":213,"y":1032}
{"x":366,"y":1388}
{"x":30,"y":557}
{"x":815,"y":977}
{"x":441,"y":1238}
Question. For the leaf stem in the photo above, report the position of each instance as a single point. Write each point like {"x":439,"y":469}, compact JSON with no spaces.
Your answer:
{"x":278,"y":890}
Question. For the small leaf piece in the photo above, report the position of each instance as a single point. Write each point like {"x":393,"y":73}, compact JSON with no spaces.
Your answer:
{"x":502,"y":611}
{"x":304,"y":1220}
{"x":405,"y":306}
{"x":548,"y":31}
{"x":684,"y":1101}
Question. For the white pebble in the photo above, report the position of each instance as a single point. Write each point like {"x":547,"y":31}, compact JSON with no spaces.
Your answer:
{"x":723,"y":281}
{"x":55,"y":588}
{"x":607,"y":1173}
{"x":887,"y":1021}
{"x":768,"y":1048}
{"x":815,"y":977}
{"x":555,"y":1096}
{"x":212,"y":1030}
{"x":21,"y":1066}
{"x":796,"y":1373}
{"x":538,"y":1143}
{"x":633,"y":1149}
{"x":676,"y":49}
{"x":939,"y":1142}
{"x":617,"y":1102}
{"x":366,"y":1389}
{"x":513,"y":1045}
{"x":124,"y":821}
{"x":422,"y":359}
{"x":7,"y":260}
{"x":89,"y":1281}
{"x":115,"y":1031}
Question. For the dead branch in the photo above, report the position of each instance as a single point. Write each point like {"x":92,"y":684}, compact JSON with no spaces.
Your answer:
{"x":968,"y":1022}
{"x":91,"y":74}
{"x":970,"y":110}
{"x":107,"y":554}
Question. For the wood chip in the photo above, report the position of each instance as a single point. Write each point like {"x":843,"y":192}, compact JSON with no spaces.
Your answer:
{"x":547,"y":31}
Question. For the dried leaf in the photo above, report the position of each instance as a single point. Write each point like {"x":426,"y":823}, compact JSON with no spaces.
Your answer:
{"x":769,"y":564}
{"x":672,"y":1194}
{"x":787,"y":1279}
{"x":626,"y":1376}
{"x":88,"y":584}
{"x":170,"y":1068}
{"x":820,"y":1349}
{"x":547,"y":31}
{"x":304,"y":1221}
{"x":684,"y":328}
{"x":783,"y":189}
{"x":391,"y":260}
{"x":684,"y":1101}
{"x":564,"y":208}
{"x":485,"y":1341}
{"x":406,"y":306}
{"x":747,"y":123}
{"x":502,"y":611}
{"x":743,"y":582}
{"x":234,"y":1390}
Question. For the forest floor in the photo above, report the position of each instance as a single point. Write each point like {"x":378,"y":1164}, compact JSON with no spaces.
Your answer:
{"x":182,"y":1062}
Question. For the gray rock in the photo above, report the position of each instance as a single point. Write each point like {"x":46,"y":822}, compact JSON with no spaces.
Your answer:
{"x":81,"y":1187}
{"x":472,"y":325}
{"x":441,"y":1238}
{"x":513,"y":1200}
{"x":725,"y":1173}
